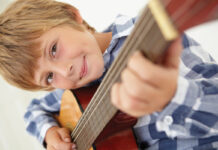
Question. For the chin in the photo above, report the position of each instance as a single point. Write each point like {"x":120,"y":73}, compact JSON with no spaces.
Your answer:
{"x":88,"y":79}
{"x":95,"y":74}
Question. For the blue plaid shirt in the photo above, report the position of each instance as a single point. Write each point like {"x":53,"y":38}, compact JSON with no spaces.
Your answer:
{"x":189,"y":121}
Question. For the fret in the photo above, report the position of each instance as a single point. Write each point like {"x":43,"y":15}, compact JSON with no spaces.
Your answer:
{"x":77,"y":131}
{"x":96,"y":98}
{"x":96,"y":125}
{"x":90,"y":139}
{"x":164,"y":22}
{"x":84,"y":136}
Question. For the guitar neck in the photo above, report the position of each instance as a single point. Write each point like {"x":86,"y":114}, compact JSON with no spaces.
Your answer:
{"x":152,"y":34}
{"x":199,"y":11}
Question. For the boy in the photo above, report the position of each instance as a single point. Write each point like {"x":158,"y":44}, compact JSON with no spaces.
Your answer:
{"x":47,"y":45}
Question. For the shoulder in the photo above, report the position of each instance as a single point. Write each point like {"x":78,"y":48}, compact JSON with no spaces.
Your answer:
{"x":56,"y":94}
{"x":194,"y":50}
{"x":121,"y":23}
{"x":124,"y":19}
{"x":187,"y":41}
{"x":51,"y":97}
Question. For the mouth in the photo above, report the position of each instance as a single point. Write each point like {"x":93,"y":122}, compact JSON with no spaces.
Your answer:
{"x":84,"y":68}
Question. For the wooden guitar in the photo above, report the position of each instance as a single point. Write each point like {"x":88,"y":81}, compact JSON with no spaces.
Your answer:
{"x":93,"y":120}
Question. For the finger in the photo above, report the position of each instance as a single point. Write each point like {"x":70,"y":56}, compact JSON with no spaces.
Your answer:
{"x":60,"y":144}
{"x":65,"y":146}
{"x":136,"y":107}
{"x":153,"y":96}
{"x":115,"y":95}
{"x":49,"y":147}
{"x":137,"y":88}
{"x":140,"y":66}
{"x":65,"y":134}
{"x":127,"y":103}
{"x":146,"y":70}
{"x":172,"y":57}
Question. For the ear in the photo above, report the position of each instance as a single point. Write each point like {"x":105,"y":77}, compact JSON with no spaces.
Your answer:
{"x":75,"y":13}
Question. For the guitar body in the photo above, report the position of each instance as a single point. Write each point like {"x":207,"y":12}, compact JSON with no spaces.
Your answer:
{"x":116,"y":135}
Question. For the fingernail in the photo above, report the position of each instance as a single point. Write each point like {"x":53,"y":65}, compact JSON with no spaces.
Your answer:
{"x":67,"y":140}
{"x":73,"y":146}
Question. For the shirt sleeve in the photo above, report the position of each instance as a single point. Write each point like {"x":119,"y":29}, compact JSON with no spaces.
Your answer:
{"x":193,"y":110}
{"x":39,"y":114}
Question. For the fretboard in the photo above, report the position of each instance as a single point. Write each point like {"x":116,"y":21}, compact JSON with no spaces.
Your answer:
{"x":147,"y":36}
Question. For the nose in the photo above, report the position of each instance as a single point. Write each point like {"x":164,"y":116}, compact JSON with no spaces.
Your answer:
{"x":64,"y":69}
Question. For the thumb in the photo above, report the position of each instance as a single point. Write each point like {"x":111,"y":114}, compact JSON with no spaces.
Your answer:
{"x":173,"y":53}
{"x":65,"y":135}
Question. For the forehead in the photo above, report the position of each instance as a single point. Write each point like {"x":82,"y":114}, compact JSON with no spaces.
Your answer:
{"x":46,"y":36}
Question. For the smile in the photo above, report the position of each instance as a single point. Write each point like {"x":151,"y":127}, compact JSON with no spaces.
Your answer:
{"x":84,"y":68}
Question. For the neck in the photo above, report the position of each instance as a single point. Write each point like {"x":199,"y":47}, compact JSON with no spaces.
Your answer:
{"x":103,"y":40}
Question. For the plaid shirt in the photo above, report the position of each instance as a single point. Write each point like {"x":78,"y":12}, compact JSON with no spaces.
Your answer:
{"x":189,"y":121}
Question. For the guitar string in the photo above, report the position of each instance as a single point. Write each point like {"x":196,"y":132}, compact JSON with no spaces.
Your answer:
{"x":84,"y":124}
{"x":93,"y":102}
{"x":87,"y":145}
{"x":104,"y":84}
{"x":94,"y":98}
{"x":117,"y":65}
{"x":161,"y":41}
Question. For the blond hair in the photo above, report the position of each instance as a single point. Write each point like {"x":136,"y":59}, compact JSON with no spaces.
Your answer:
{"x":20,"y":27}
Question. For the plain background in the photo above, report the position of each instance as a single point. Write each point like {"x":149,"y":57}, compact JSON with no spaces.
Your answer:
{"x":98,"y":13}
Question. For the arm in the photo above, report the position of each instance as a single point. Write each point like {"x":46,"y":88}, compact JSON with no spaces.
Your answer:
{"x":41,"y":124}
{"x":193,"y":109}
{"x":39,"y":115}
{"x":184,"y":103}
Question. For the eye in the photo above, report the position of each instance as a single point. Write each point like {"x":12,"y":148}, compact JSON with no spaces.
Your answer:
{"x":49,"y":78}
{"x":53,"y":50}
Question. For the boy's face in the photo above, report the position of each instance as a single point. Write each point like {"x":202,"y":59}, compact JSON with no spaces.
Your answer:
{"x":70,"y":58}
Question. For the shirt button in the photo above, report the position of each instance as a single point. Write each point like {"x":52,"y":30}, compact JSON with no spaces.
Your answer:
{"x":168,"y":120}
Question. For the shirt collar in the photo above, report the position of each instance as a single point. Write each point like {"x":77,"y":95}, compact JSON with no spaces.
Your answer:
{"x":121,"y":27}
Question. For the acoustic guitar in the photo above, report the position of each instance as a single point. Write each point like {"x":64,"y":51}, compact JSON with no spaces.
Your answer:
{"x":95,"y":123}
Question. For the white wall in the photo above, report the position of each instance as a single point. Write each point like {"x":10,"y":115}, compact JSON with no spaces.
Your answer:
{"x":99,"y":13}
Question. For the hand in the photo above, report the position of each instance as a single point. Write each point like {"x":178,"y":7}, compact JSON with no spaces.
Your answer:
{"x":147,"y":87}
{"x":59,"y":139}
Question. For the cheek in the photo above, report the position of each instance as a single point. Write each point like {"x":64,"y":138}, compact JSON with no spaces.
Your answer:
{"x":97,"y":66}
{"x":63,"y":50}
{"x":66,"y":49}
{"x":77,"y":48}
{"x":63,"y":83}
